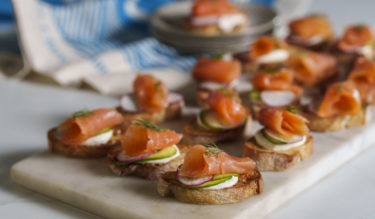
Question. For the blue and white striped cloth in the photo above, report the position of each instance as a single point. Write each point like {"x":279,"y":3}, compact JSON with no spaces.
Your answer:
{"x":74,"y":41}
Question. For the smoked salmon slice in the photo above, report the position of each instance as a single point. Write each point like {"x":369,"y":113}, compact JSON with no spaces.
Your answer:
{"x":151,"y":93}
{"x":312,"y":26}
{"x":340,"y":99}
{"x":264,"y":45}
{"x":281,"y":79}
{"x":217,"y":70}
{"x":82,"y":126}
{"x":363,"y":76}
{"x":283,"y":122}
{"x":145,"y":137}
{"x":213,"y":7}
{"x":355,"y":37}
{"x":311,"y":67}
{"x":201,"y":162}
{"x":227,"y":105}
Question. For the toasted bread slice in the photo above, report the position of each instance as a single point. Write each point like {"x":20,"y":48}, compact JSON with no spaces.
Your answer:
{"x":82,"y":151}
{"x":336,"y":123}
{"x":149,"y":171}
{"x":194,"y":134}
{"x":247,"y":185}
{"x":268,"y":160}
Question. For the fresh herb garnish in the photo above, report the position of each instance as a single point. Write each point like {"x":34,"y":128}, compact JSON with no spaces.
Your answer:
{"x":271,"y":70}
{"x":226,"y":92}
{"x":363,"y":106}
{"x":212,"y":150}
{"x":148,"y":125}
{"x":291,"y":109}
{"x":218,"y":55}
{"x":81,"y":113}
{"x":254,"y":94}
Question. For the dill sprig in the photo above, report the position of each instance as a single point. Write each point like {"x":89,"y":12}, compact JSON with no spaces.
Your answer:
{"x":148,"y":125}
{"x":212,"y":150}
{"x":82,"y":113}
{"x":226,"y":92}
{"x":291,"y":109}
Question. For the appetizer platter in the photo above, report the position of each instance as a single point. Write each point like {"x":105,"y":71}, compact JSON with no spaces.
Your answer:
{"x":235,"y":153}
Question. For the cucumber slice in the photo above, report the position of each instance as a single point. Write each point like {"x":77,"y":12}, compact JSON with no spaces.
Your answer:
{"x":272,"y":140}
{"x":104,"y":130}
{"x":217,"y":177}
{"x":162,"y":154}
{"x":211,"y":183}
{"x":210,"y":121}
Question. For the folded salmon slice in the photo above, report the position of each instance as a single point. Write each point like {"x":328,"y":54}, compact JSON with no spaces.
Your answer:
{"x":264,"y":45}
{"x":355,"y":37}
{"x":340,"y":99}
{"x":227,"y":105}
{"x":283,"y":122}
{"x":213,"y":7}
{"x":201,"y":162}
{"x":311,"y":67}
{"x":281,"y":79}
{"x":140,"y":139}
{"x":217,"y":70}
{"x":363,"y":76}
{"x":151,"y":93}
{"x":76,"y":130}
{"x":312,"y":26}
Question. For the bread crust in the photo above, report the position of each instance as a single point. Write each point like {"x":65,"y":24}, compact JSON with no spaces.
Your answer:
{"x":194,"y":134}
{"x":147,"y":171}
{"x":268,"y":160}
{"x":81,"y":151}
{"x":335,"y":123}
{"x":247,"y":185}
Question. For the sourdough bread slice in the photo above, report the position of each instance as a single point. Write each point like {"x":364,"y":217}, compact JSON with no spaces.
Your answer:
{"x":269,"y":160}
{"x":336,"y":123}
{"x":149,"y":171}
{"x":82,"y":151}
{"x":247,"y":185}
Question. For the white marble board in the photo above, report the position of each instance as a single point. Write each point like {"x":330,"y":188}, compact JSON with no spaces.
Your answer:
{"x":88,"y":184}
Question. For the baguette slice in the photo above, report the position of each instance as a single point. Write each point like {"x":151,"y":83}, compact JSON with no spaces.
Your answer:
{"x":149,"y":171}
{"x":268,"y":160}
{"x":247,"y":185}
{"x":194,"y":134}
{"x":336,"y":123}
{"x":82,"y":151}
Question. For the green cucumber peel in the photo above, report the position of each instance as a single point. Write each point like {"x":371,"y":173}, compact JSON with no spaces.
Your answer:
{"x":272,"y":140}
{"x":213,"y":182}
{"x":162,"y":154}
{"x":202,"y":118}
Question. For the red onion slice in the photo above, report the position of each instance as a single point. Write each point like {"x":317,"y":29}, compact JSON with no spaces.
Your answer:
{"x":294,"y":139}
{"x":205,"y":20}
{"x":128,"y":103}
{"x":175,"y":98}
{"x":123,"y":158}
{"x":197,"y":182}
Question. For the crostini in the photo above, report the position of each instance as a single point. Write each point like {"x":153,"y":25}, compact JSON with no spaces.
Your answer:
{"x":266,"y":52}
{"x":150,"y":101}
{"x":211,"y":176}
{"x":214,"y":17}
{"x":87,"y":133}
{"x":312,"y":32}
{"x":226,"y":119}
{"x":282,"y":143}
{"x":273,"y":88}
{"x":147,"y":151}
{"x":213,"y":73}
{"x":340,"y":108}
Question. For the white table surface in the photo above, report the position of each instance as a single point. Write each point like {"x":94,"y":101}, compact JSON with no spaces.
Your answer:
{"x":28,"y":110}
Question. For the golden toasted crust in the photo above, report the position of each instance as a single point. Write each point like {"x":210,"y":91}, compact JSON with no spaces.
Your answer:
{"x":247,"y":185}
{"x":202,"y":97}
{"x":148,"y":170}
{"x":268,"y":160}
{"x":81,"y":151}
{"x":194,"y":134}
{"x":336,"y":123}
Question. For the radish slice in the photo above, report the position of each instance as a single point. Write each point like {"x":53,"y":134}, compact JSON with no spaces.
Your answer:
{"x":277,"y":98}
{"x":294,"y":139}
{"x":211,"y":86}
{"x":123,"y":158}
{"x":128,"y":103}
{"x":205,"y":20}
{"x":192,"y":181}
{"x":175,"y":98}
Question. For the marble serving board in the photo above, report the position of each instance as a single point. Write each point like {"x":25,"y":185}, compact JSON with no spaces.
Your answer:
{"x":88,"y":184}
